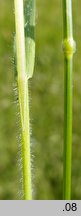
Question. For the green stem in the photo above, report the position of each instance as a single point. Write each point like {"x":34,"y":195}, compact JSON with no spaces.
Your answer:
{"x":23,"y":97}
{"x":67,"y":12}
{"x":69,"y":48}
{"x":67,"y":128}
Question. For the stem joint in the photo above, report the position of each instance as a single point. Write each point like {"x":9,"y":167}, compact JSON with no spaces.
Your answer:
{"x":69,"y":48}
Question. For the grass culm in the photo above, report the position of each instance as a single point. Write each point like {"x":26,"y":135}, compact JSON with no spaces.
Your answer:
{"x":69,"y":49}
{"x":25,"y":53}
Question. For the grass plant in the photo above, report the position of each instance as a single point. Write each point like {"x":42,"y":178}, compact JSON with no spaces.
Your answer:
{"x":25,"y":52}
{"x":69,"y":49}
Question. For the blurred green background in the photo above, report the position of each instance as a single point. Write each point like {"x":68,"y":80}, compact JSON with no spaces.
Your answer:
{"x":46,"y":104}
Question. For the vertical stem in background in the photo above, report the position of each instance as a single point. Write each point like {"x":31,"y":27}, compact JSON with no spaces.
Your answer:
{"x":23,"y":97}
{"x":69,"y":49}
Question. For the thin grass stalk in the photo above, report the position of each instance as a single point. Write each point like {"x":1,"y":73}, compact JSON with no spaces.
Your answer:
{"x":23,"y":97}
{"x":69,"y":49}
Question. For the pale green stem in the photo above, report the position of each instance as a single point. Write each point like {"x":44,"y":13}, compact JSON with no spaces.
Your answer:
{"x":23,"y":97}
{"x":69,"y":49}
